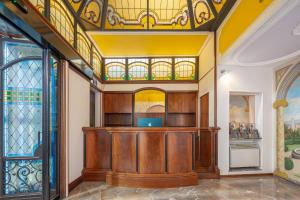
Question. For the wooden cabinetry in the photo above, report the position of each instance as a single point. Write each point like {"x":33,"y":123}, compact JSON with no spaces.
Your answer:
{"x":117,"y":108}
{"x":182,"y":109}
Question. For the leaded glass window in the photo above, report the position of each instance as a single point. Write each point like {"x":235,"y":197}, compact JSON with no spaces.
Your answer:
{"x":39,"y":5}
{"x":138,"y":69}
{"x":22,"y":94}
{"x":17,"y":50}
{"x":62,"y":19}
{"x":97,"y":63}
{"x":83,"y":44}
{"x":161,"y":69}
{"x":115,"y":69}
{"x":185,"y":68}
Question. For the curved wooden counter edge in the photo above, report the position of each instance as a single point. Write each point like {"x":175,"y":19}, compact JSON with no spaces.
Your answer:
{"x":152,"y":180}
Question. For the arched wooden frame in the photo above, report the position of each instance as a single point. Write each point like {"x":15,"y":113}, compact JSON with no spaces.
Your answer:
{"x":150,"y":88}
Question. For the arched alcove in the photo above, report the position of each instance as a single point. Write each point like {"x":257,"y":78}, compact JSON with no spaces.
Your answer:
{"x":288,"y":125}
{"x":149,"y":107}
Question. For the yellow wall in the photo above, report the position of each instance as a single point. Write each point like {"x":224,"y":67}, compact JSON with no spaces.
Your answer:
{"x":242,"y":17}
{"x":142,"y":44}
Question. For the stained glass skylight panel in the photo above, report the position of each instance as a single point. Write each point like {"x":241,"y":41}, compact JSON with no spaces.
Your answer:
{"x":92,"y":12}
{"x":202,"y":12}
{"x":129,"y":14}
{"x":169,"y":14}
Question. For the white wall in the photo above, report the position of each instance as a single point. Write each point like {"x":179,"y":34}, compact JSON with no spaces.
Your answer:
{"x":206,"y":75}
{"x":248,"y":80}
{"x":78,"y":117}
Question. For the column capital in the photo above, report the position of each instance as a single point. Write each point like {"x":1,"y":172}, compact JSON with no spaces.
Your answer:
{"x":280,"y":103}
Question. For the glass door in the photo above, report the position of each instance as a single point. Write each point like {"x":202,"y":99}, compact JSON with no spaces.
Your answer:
{"x":54,"y":128}
{"x":21,"y":115}
{"x":29,"y":136}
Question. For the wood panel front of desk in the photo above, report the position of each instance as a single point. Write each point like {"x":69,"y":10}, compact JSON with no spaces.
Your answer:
{"x":152,"y":157}
{"x":149,"y":157}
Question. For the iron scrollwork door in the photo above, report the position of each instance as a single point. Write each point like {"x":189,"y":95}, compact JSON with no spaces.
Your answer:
{"x":22,"y":119}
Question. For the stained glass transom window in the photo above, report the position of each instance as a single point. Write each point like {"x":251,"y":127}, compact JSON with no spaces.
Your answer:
{"x":62,"y":19}
{"x":185,"y":68}
{"x":138,"y":69}
{"x":17,"y":50}
{"x":83,"y":44}
{"x":161,"y":69}
{"x":115,"y":69}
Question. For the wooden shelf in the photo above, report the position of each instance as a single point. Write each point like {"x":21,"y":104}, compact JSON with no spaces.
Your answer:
{"x":118,"y":119}
{"x":181,"y":120}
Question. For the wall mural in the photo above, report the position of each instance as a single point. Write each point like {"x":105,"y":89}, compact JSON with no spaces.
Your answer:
{"x":292,"y":132}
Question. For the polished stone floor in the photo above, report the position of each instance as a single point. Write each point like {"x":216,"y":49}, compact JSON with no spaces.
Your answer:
{"x":245,"y":188}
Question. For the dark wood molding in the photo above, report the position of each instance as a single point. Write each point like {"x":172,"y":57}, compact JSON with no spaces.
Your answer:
{"x":63,"y":129}
{"x":152,"y":181}
{"x":75,"y":183}
{"x":151,"y":82}
{"x":149,"y":88}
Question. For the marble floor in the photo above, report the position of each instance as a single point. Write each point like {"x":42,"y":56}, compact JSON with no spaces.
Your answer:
{"x":245,"y":188}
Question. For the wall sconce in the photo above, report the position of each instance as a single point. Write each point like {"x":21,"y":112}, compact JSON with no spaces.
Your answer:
{"x":223,"y":72}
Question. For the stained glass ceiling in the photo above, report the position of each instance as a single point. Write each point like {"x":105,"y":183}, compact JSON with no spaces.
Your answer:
{"x":186,"y":15}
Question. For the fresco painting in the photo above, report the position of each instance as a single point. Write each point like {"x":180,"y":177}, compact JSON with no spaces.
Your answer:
{"x":292,"y":132}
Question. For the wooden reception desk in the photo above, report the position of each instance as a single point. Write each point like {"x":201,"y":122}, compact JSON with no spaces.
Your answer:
{"x":141,"y":157}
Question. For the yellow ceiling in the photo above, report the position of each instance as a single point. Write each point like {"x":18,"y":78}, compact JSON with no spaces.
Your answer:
{"x":148,"y":44}
{"x":242,"y":17}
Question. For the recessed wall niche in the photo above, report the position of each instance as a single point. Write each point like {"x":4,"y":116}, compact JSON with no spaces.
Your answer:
{"x":243,"y":132}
